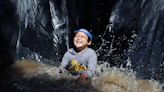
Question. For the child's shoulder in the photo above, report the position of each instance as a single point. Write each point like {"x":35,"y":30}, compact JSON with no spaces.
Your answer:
{"x":91,"y":50}
{"x":71,"y":50}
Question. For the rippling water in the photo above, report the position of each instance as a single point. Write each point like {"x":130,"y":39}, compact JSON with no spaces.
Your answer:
{"x":30,"y":76}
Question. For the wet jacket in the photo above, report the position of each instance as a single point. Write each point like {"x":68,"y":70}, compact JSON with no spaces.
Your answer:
{"x":83,"y":62}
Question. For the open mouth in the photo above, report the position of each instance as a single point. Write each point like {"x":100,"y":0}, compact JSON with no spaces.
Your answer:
{"x":78,"y":42}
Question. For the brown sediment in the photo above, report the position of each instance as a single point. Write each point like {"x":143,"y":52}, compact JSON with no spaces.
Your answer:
{"x":148,"y":86}
{"x":110,"y":81}
{"x":29,"y":67}
{"x":118,"y":81}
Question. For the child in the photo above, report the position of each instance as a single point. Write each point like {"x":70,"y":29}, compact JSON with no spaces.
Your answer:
{"x":80,"y":61}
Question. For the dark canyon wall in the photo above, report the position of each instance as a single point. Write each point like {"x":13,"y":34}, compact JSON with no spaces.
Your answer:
{"x":126,"y":32}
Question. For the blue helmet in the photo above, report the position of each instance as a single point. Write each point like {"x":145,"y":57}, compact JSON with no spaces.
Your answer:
{"x":85,"y":32}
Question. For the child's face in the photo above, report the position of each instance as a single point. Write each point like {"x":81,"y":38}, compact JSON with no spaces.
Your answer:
{"x":81,"y":40}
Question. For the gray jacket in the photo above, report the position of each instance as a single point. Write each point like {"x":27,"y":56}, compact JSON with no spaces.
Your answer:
{"x":87,"y":57}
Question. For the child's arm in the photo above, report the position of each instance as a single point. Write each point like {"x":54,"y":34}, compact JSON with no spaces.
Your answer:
{"x":65,"y":60}
{"x":64,"y":63}
{"x":92,"y":63}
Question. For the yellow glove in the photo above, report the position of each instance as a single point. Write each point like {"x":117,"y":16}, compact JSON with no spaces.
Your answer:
{"x":74,"y":62}
{"x":76,"y":67}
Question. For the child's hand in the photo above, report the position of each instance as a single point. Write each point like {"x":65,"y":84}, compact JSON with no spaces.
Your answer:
{"x":61,"y":70}
{"x":83,"y":76}
{"x":83,"y":79}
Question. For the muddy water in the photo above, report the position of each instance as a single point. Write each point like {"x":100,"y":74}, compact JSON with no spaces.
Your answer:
{"x":30,"y":76}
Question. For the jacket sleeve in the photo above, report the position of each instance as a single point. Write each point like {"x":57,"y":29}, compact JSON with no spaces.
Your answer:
{"x":65,"y":60}
{"x":92,"y":63}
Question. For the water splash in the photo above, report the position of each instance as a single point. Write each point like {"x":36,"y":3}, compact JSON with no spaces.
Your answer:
{"x":59,"y":22}
{"x":111,"y":79}
{"x":106,"y":43}
{"x":143,"y":20}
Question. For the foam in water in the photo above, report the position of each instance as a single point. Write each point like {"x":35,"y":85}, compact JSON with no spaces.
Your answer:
{"x":107,"y":79}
